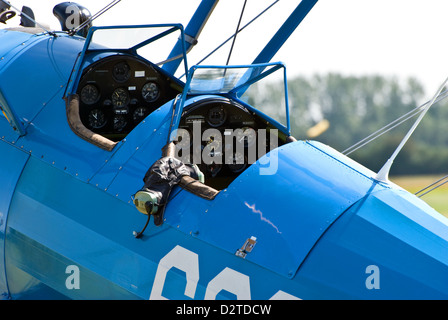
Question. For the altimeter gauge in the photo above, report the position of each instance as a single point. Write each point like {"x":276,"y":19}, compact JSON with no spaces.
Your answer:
{"x":120,"y":98}
{"x":97,"y":119}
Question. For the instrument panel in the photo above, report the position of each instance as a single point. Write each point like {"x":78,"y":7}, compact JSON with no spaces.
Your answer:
{"x":223,"y":138}
{"x":118,"y":92}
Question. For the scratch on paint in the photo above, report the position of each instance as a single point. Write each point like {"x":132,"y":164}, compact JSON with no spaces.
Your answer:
{"x":252,"y":207}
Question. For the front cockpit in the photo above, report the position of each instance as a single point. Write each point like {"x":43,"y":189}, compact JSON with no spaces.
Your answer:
{"x":117,"y":92}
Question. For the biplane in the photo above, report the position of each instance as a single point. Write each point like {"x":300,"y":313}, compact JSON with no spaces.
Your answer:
{"x":123,"y":180}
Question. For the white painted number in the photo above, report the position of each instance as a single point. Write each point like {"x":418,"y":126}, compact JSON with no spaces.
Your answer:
{"x":228,"y":279}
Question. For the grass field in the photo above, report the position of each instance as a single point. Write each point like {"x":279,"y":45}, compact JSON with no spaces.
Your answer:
{"x":438,"y":198}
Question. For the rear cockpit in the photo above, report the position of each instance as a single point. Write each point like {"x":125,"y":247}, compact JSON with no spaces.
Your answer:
{"x":217,"y":128}
{"x":223,"y":137}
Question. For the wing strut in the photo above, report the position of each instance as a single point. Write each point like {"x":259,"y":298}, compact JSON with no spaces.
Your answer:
{"x":192,"y":32}
{"x":285,"y":31}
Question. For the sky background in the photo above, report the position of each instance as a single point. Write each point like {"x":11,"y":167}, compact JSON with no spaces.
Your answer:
{"x":399,"y":38}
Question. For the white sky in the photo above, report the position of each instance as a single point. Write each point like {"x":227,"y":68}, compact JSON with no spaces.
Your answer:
{"x":388,"y":37}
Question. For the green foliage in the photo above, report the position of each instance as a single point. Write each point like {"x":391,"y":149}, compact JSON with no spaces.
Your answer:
{"x":358,"y":106}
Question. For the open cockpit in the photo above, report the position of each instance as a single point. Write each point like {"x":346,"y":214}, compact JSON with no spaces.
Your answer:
{"x":212,"y":121}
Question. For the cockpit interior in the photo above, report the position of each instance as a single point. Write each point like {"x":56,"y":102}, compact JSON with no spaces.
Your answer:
{"x":117,"y":92}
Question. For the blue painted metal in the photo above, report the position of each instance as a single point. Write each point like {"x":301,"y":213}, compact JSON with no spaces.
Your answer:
{"x":391,"y":230}
{"x":27,"y":95}
{"x":42,"y":108}
{"x":141,"y":147}
{"x":62,"y":237}
{"x":96,"y":236}
{"x":12,"y":43}
{"x":192,"y":31}
{"x":13,"y":46}
{"x":11,"y":116}
{"x":12,"y":162}
{"x":280,"y":210}
{"x":98,"y":233}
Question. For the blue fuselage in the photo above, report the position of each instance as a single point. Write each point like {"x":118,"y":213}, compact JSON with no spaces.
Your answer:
{"x":324,"y":227}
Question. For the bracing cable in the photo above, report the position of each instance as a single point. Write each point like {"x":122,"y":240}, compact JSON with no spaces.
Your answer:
{"x":437,"y":184}
{"x":392,"y":125}
{"x":236,"y":33}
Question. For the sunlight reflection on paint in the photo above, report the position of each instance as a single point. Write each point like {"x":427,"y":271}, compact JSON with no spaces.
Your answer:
{"x":252,"y":207}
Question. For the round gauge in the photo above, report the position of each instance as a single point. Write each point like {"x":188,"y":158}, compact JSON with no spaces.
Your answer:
{"x":216,"y":116}
{"x":246,"y":135}
{"x":236,"y":162}
{"x":97,"y":119}
{"x":120,"y":123}
{"x":90,"y":94}
{"x":121,"y":72}
{"x":150,"y":92}
{"x":139,"y":114}
{"x":120,"y":98}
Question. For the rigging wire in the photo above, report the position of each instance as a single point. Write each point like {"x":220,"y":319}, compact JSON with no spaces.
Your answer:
{"x":392,"y":125}
{"x":383,"y":174}
{"x":236,"y":32}
{"x":21,"y":13}
{"x":438,"y":184}
{"x":440,"y":96}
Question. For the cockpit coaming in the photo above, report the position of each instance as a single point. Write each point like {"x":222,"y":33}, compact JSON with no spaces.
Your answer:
{"x":116,"y":93}
{"x":120,"y":89}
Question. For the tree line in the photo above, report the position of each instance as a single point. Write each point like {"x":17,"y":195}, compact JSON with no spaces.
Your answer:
{"x":349,"y":108}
